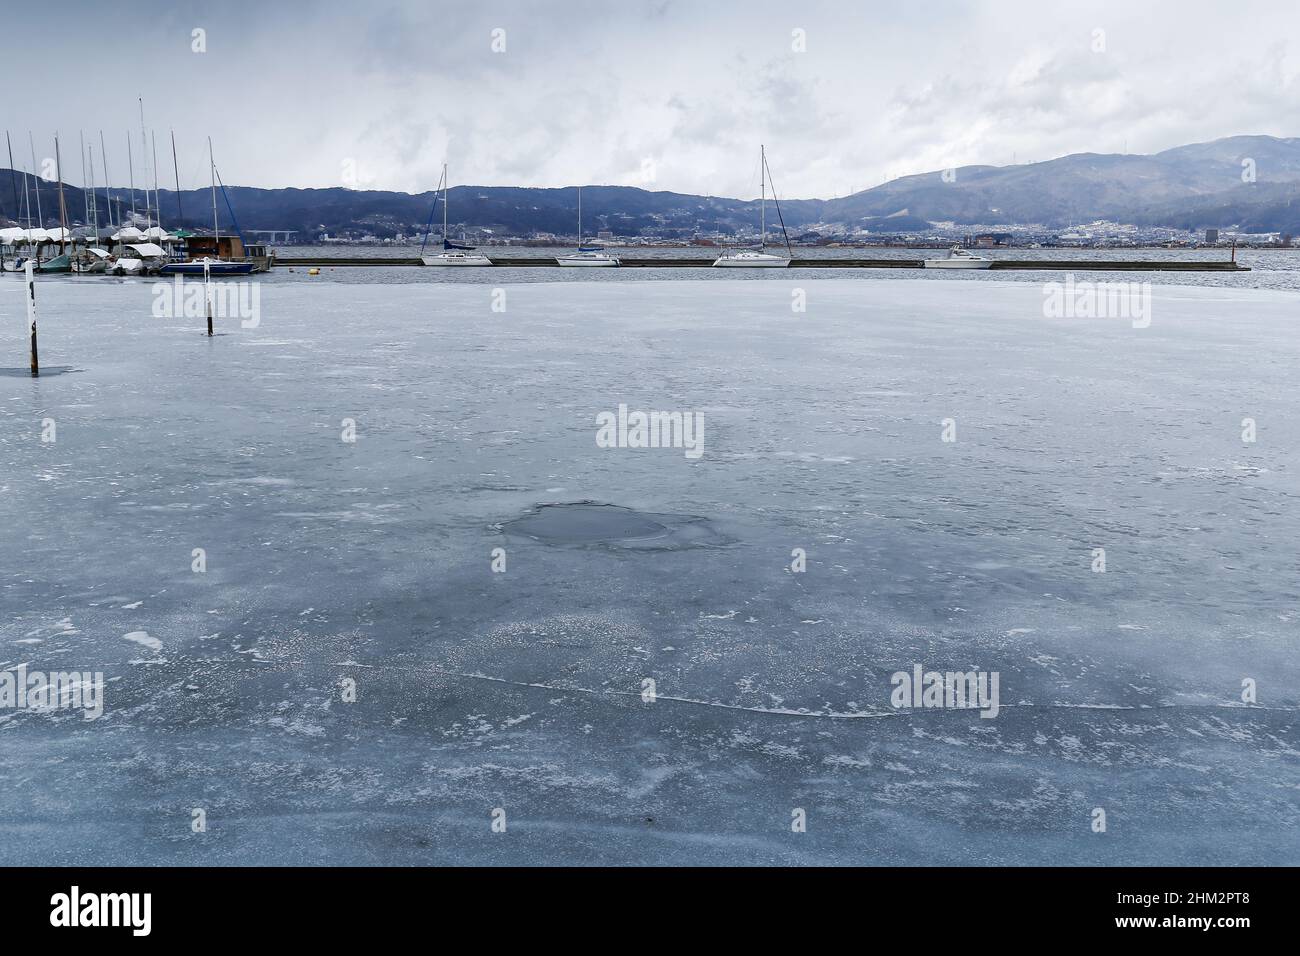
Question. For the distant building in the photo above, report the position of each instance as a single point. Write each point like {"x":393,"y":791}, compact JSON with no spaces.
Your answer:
{"x":987,"y":240}
{"x":1211,"y":236}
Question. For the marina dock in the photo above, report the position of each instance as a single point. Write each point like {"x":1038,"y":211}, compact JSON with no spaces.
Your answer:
{"x":701,"y":262}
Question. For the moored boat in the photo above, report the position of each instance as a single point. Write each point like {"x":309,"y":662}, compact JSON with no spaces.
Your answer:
{"x":758,"y":258}
{"x":60,"y":263}
{"x":90,"y":261}
{"x":215,"y":267}
{"x":220,"y":255}
{"x":453,"y":253}
{"x":587,"y":257}
{"x":750,"y":259}
{"x":959,"y":258}
{"x":136,"y":258}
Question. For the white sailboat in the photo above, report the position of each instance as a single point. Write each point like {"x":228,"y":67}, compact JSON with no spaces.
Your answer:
{"x":453,"y":254}
{"x":757,"y":258}
{"x":587,"y":256}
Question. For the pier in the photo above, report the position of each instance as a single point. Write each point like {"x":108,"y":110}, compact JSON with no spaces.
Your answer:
{"x":1059,"y":265}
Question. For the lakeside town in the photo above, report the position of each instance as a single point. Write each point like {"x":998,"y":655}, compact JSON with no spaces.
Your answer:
{"x":1094,"y":235}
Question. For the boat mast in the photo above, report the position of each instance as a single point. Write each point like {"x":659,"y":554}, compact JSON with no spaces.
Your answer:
{"x":144,"y":159}
{"x":130,"y":168}
{"x":26,"y":194}
{"x":85,"y":196}
{"x":36,"y":182}
{"x":212,"y":167}
{"x":94,"y":200}
{"x":63,"y":208}
{"x":433,"y":211}
{"x":762,"y":207}
{"x":108,"y":187}
{"x":157,"y":202}
{"x":180,"y":213}
{"x":27,"y":198}
{"x":13,"y":181}
{"x":445,"y":186}
{"x":579,"y":217}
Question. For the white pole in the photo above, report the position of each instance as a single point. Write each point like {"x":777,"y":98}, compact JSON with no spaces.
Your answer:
{"x":31,"y":318}
{"x":207,"y":290}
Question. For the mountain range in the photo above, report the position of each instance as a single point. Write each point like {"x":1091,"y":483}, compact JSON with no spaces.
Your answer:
{"x":1251,"y":183}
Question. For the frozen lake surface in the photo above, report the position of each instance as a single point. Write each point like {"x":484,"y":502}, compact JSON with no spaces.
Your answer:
{"x":370,"y":563}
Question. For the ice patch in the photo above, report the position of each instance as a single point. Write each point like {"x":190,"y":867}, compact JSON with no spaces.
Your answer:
{"x":143,"y":638}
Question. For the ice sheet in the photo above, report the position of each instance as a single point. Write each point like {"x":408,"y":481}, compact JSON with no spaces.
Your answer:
{"x":523,"y":690}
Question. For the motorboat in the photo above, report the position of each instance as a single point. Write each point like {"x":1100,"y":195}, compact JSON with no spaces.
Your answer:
{"x":137,"y":258}
{"x":123,"y":265}
{"x":90,"y":261}
{"x":959,"y":258}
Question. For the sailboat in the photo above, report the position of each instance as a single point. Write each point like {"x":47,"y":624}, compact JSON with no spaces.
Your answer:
{"x":453,"y":253}
{"x":760,"y":258}
{"x":587,"y":256}
{"x":63,"y":261}
{"x":205,"y":255}
{"x":93,"y":259}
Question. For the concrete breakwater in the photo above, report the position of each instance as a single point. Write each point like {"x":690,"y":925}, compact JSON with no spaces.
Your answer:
{"x":1078,"y":265}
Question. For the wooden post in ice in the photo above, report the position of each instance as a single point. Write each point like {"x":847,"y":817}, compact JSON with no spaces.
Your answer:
{"x":31,"y":319}
{"x":207,"y":290}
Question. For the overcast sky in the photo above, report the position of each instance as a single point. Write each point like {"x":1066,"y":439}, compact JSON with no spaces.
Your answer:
{"x":666,"y":94}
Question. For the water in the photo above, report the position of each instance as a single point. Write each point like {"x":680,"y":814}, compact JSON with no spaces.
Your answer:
{"x":525,"y":690}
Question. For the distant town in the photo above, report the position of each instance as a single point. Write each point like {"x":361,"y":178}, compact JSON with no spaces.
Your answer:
{"x":1100,"y":234}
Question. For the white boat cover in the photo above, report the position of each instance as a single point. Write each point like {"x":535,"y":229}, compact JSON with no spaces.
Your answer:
{"x":58,"y":235}
{"x":129,"y":234}
{"x":147,"y":250}
{"x":158,"y":234}
{"x":13,"y":234}
{"x":98,"y":252}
